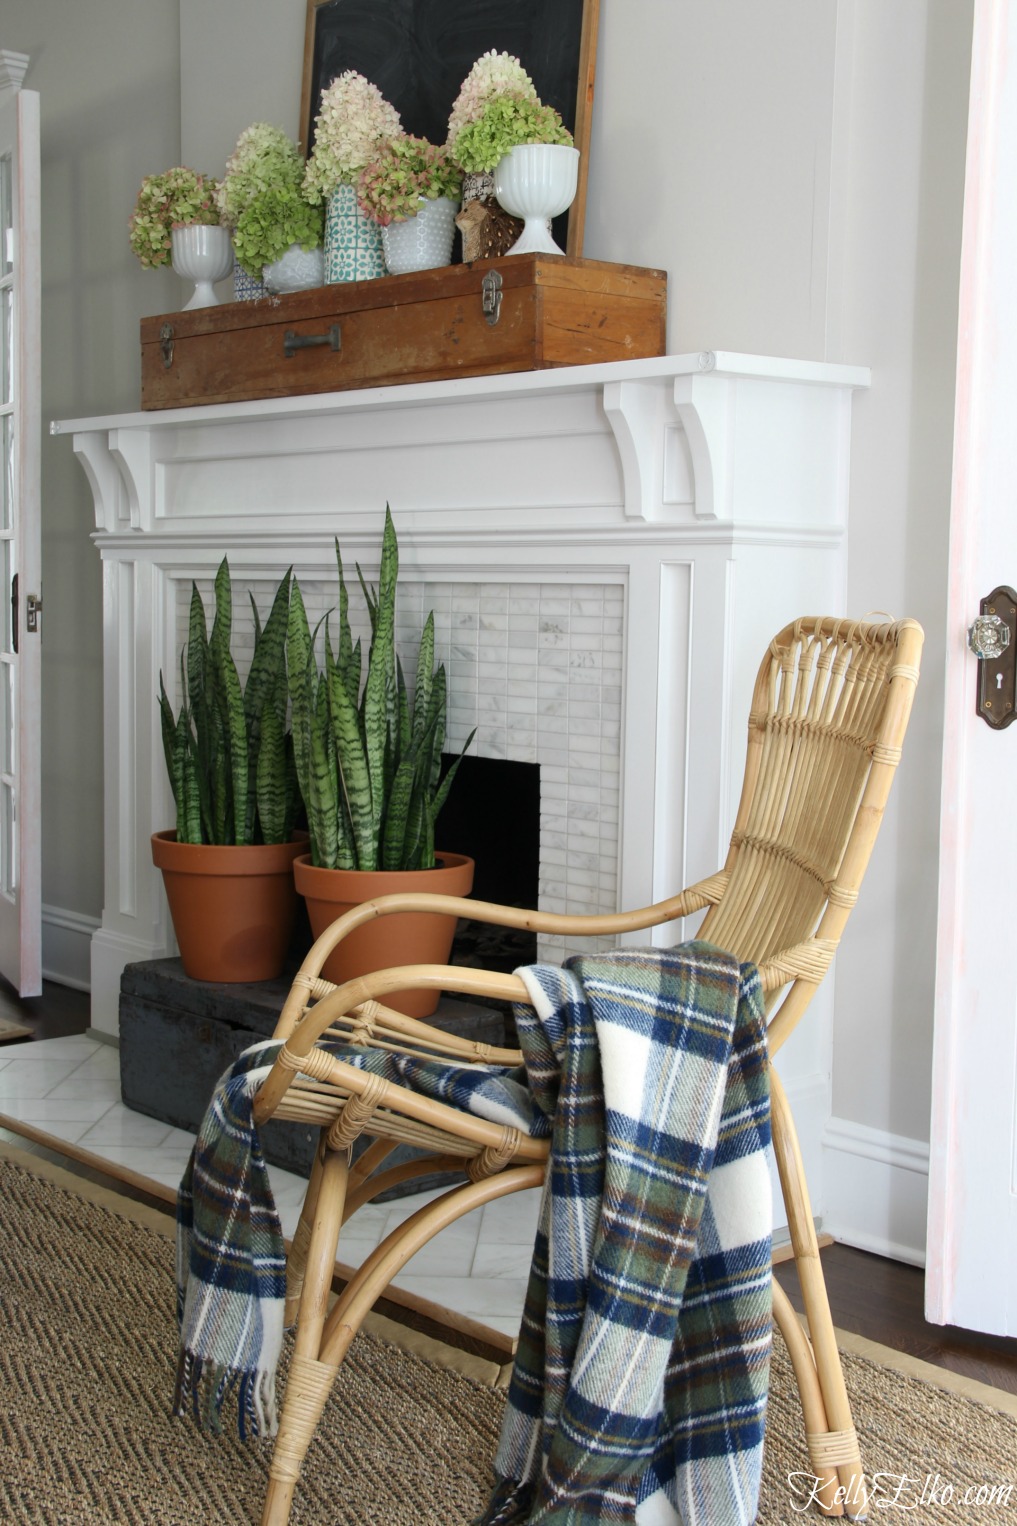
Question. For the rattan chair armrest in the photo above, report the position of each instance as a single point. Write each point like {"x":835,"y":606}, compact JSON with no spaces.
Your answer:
{"x":302,"y":1032}
{"x":706,"y":893}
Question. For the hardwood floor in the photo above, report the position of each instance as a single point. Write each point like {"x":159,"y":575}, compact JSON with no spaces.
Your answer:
{"x":59,"y":1011}
{"x":884,"y":1301}
{"x":869,"y":1295}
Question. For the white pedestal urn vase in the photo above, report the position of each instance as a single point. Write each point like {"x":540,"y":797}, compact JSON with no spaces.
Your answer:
{"x":536,"y":181}
{"x":423,"y":242}
{"x":353,"y":249}
{"x":202,"y":254}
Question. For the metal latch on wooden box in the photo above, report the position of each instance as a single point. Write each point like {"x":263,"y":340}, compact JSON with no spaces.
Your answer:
{"x":490,"y":296}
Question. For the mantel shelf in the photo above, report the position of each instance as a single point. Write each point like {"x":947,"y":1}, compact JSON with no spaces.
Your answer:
{"x":554,"y":382}
{"x":596,"y":449}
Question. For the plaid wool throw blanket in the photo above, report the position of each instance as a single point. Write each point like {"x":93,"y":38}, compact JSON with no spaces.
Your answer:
{"x":639,"y":1387}
{"x":231,"y":1258}
{"x":231,"y":1261}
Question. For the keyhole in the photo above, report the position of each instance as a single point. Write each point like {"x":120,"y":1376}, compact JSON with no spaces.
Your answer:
{"x":999,"y":680}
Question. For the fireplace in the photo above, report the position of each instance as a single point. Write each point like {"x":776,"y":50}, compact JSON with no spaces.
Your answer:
{"x":607,"y":550}
{"x":493,"y":814}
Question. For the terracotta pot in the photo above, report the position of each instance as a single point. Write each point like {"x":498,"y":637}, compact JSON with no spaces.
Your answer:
{"x":232,"y":908}
{"x":403,"y":938}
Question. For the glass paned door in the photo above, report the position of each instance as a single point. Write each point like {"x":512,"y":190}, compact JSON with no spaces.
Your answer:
{"x":20,"y":449}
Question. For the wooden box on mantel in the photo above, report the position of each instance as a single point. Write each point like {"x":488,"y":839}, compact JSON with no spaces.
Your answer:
{"x":516,"y":313}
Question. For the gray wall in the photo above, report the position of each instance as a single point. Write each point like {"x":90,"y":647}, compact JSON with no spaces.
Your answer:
{"x":797,"y":168}
{"x":108,"y":75}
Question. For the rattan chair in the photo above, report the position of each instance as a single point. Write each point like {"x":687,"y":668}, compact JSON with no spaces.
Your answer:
{"x":829,"y":712}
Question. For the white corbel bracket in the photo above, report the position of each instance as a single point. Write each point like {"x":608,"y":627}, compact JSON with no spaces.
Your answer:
{"x":109,"y":495}
{"x":634,"y":409}
{"x":704,"y":402}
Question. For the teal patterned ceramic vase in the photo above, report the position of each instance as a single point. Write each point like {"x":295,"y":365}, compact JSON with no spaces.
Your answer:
{"x":353,"y":249}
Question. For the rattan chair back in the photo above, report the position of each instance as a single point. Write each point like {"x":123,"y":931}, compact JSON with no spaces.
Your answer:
{"x":829,"y":711}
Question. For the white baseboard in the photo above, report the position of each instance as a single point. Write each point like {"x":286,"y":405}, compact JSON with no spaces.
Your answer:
{"x":876,"y":1190}
{"x":66,"y":947}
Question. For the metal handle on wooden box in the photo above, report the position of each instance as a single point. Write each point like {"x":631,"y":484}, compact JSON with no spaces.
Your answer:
{"x":293,"y":341}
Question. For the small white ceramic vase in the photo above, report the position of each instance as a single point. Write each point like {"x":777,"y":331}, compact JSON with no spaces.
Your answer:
{"x":295,"y":270}
{"x":536,"y":181}
{"x":203,"y":255}
{"x":423,"y":242}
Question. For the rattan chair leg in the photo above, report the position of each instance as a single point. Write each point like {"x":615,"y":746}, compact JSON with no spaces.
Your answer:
{"x":307,"y":1388}
{"x":363,"y":1168}
{"x":310,"y":1378}
{"x":296,"y":1261}
{"x":839,"y":1446}
{"x":367,"y":1285}
{"x":809,"y":1392}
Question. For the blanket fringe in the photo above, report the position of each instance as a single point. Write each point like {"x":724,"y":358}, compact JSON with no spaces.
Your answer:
{"x":202,"y":1388}
{"x":509,"y":1504}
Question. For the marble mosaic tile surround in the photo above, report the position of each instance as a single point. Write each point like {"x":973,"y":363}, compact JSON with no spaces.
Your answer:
{"x":537,"y":669}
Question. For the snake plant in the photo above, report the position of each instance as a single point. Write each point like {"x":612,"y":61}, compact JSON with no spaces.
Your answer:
{"x":368,"y":757}
{"x":229,"y":755}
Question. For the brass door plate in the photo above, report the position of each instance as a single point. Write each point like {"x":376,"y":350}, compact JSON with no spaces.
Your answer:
{"x":997,"y":675}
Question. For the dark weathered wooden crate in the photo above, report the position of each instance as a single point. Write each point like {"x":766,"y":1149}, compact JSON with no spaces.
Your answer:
{"x":517,"y":313}
{"x":178,"y":1035}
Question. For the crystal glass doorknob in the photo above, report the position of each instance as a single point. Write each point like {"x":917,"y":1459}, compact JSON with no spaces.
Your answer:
{"x":989,"y":636}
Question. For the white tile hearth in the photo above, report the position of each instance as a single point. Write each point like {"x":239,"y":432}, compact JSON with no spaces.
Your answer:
{"x":70,"y":1088}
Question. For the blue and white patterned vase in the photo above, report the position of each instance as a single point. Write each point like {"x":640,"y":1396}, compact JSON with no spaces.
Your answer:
{"x":353,"y":249}
{"x":245,"y":288}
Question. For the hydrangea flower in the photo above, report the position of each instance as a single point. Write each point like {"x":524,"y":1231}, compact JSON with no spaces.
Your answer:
{"x":492,"y":75}
{"x":166,"y":202}
{"x":264,"y":159}
{"x":390,"y":187}
{"x":505,"y":123}
{"x":354,"y":121}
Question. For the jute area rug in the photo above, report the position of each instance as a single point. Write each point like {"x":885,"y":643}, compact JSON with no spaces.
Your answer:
{"x":87,"y":1356}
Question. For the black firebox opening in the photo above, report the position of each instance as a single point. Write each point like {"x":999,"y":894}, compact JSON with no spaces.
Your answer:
{"x":493,"y":815}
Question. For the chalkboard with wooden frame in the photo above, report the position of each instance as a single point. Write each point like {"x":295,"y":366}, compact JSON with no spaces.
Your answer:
{"x":418,"y":52}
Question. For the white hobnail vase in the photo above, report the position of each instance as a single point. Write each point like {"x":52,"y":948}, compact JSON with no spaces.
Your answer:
{"x":202,"y":254}
{"x":537,"y":181}
{"x":423,"y":242}
{"x":295,"y":270}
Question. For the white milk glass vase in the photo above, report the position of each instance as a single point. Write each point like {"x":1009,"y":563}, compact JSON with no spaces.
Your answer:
{"x":537,"y":181}
{"x":202,"y":254}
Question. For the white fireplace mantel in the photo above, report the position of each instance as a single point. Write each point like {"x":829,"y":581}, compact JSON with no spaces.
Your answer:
{"x":703,"y":496}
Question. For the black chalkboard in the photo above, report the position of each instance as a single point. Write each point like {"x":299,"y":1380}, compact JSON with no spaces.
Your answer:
{"x":418,"y":52}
